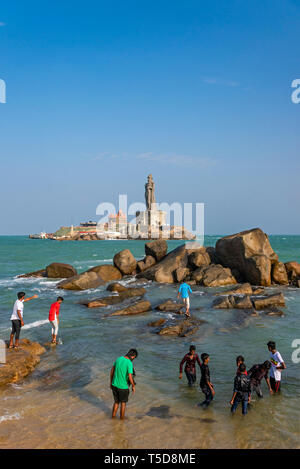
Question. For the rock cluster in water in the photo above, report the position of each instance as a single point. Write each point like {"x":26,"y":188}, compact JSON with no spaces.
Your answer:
{"x":243,"y":257}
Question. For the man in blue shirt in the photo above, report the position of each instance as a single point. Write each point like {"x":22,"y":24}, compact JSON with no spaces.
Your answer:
{"x":184,"y":291}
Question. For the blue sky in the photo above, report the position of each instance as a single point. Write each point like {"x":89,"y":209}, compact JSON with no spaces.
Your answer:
{"x":198,"y":93}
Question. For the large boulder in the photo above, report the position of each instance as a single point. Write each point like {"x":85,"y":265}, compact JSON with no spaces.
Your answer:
{"x":125,"y":262}
{"x":58,"y":270}
{"x":277,"y":299}
{"x":279,"y":274}
{"x":157,"y":249}
{"x":83,"y":281}
{"x":147,"y":262}
{"x":137,"y":308}
{"x":293,"y":270}
{"x":213,"y":275}
{"x":21,"y":362}
{"x":115,"y":299}
{"x":164,"y":271}
{"x":107,"y":272}
{"x":250,"y":253}
{"x":198,"y":258}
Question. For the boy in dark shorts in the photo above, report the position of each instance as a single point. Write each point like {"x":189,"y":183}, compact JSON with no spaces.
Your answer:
{"x":17,"y":318}
{"x":121,"y":376}
{"x":241,"y":390}
{"x":190,"y":360}
{"x":205,"y":383}
{"x":256,"y":374}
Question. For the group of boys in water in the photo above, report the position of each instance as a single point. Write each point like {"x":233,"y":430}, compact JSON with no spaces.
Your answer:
{"x":122,"y":372}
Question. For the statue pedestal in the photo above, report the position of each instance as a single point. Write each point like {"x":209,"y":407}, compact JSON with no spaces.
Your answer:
{"x":149,"y":222}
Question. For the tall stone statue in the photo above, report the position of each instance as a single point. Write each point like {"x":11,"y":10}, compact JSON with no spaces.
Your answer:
{"x":149,"y":192}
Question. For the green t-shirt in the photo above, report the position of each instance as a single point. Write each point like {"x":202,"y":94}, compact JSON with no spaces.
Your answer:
{"x":123,"y":366}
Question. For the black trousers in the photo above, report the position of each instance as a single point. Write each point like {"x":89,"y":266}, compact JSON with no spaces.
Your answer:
{"x":257,"y":389}
{"x":191,"y":377}
{"x":208,"y":395}
{"x":16,"y":328}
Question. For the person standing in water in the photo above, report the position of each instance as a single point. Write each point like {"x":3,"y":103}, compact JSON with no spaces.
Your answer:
{"x":190,"y":360}
{"x":241,"y":390}
{"x":121,"y":376}
{"x":205,"y":383}
{"x":277,"y":366}
{"x":17,"y":318}
{"x":54,"y":318}
{"x":184,"y":291}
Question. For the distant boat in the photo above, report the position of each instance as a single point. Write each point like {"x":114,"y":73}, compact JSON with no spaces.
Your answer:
{"x":42,"y":235}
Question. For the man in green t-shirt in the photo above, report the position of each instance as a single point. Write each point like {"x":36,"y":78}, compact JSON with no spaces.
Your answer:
{"x":121,"y":376}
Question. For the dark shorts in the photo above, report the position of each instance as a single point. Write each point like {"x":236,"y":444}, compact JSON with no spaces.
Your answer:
{"x":275,"y":385}
{"x":120,"y":395}
{"x":16,"y":327}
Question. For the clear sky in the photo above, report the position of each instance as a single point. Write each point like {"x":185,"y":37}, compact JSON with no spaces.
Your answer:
{"x":101,"y":93}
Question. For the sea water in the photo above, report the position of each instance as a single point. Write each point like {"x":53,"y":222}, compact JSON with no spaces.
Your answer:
{"x":66,"y":402}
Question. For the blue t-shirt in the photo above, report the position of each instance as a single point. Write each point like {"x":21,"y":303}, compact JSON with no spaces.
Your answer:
{"x":184,"y":290}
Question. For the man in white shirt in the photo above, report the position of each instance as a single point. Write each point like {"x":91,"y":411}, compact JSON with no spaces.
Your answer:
{"x":277,"y":366}
{"x":17,"y":319}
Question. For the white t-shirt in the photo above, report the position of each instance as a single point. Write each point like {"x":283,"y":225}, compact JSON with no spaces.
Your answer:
{"x":19,"y":305}
{"x":276,"y":360}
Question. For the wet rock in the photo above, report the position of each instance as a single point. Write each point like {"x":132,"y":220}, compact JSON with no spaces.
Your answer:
{"x":258,"y":291}
{"x":37,"y":273}
{"x":181,"y":328}
{"x":277,"y":299}
{"x":250,"y":253}
{"x":274,"y":312}
{"x":242,"y":302}
{"x":125,"y":262}
{"x":116,"y":287}
{"x":279,"y":274}
{"x":244,"y":289}
{"x":107,"y":272}
{"x":58,"y":270}
{"x":156,"y":249}
{"x":137,"y":308}
{"x":170,"y":306}
{"x":84,"y":281}
{"x":157,"y":323}
{"x":21,"y":362}
{"x":112,"y":300}
{"x":223,"y":302}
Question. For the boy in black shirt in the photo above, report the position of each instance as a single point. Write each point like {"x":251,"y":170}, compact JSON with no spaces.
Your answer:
{"x":205,"y":384}
{"x":241,"y":390}
{"x":257,"y":373}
